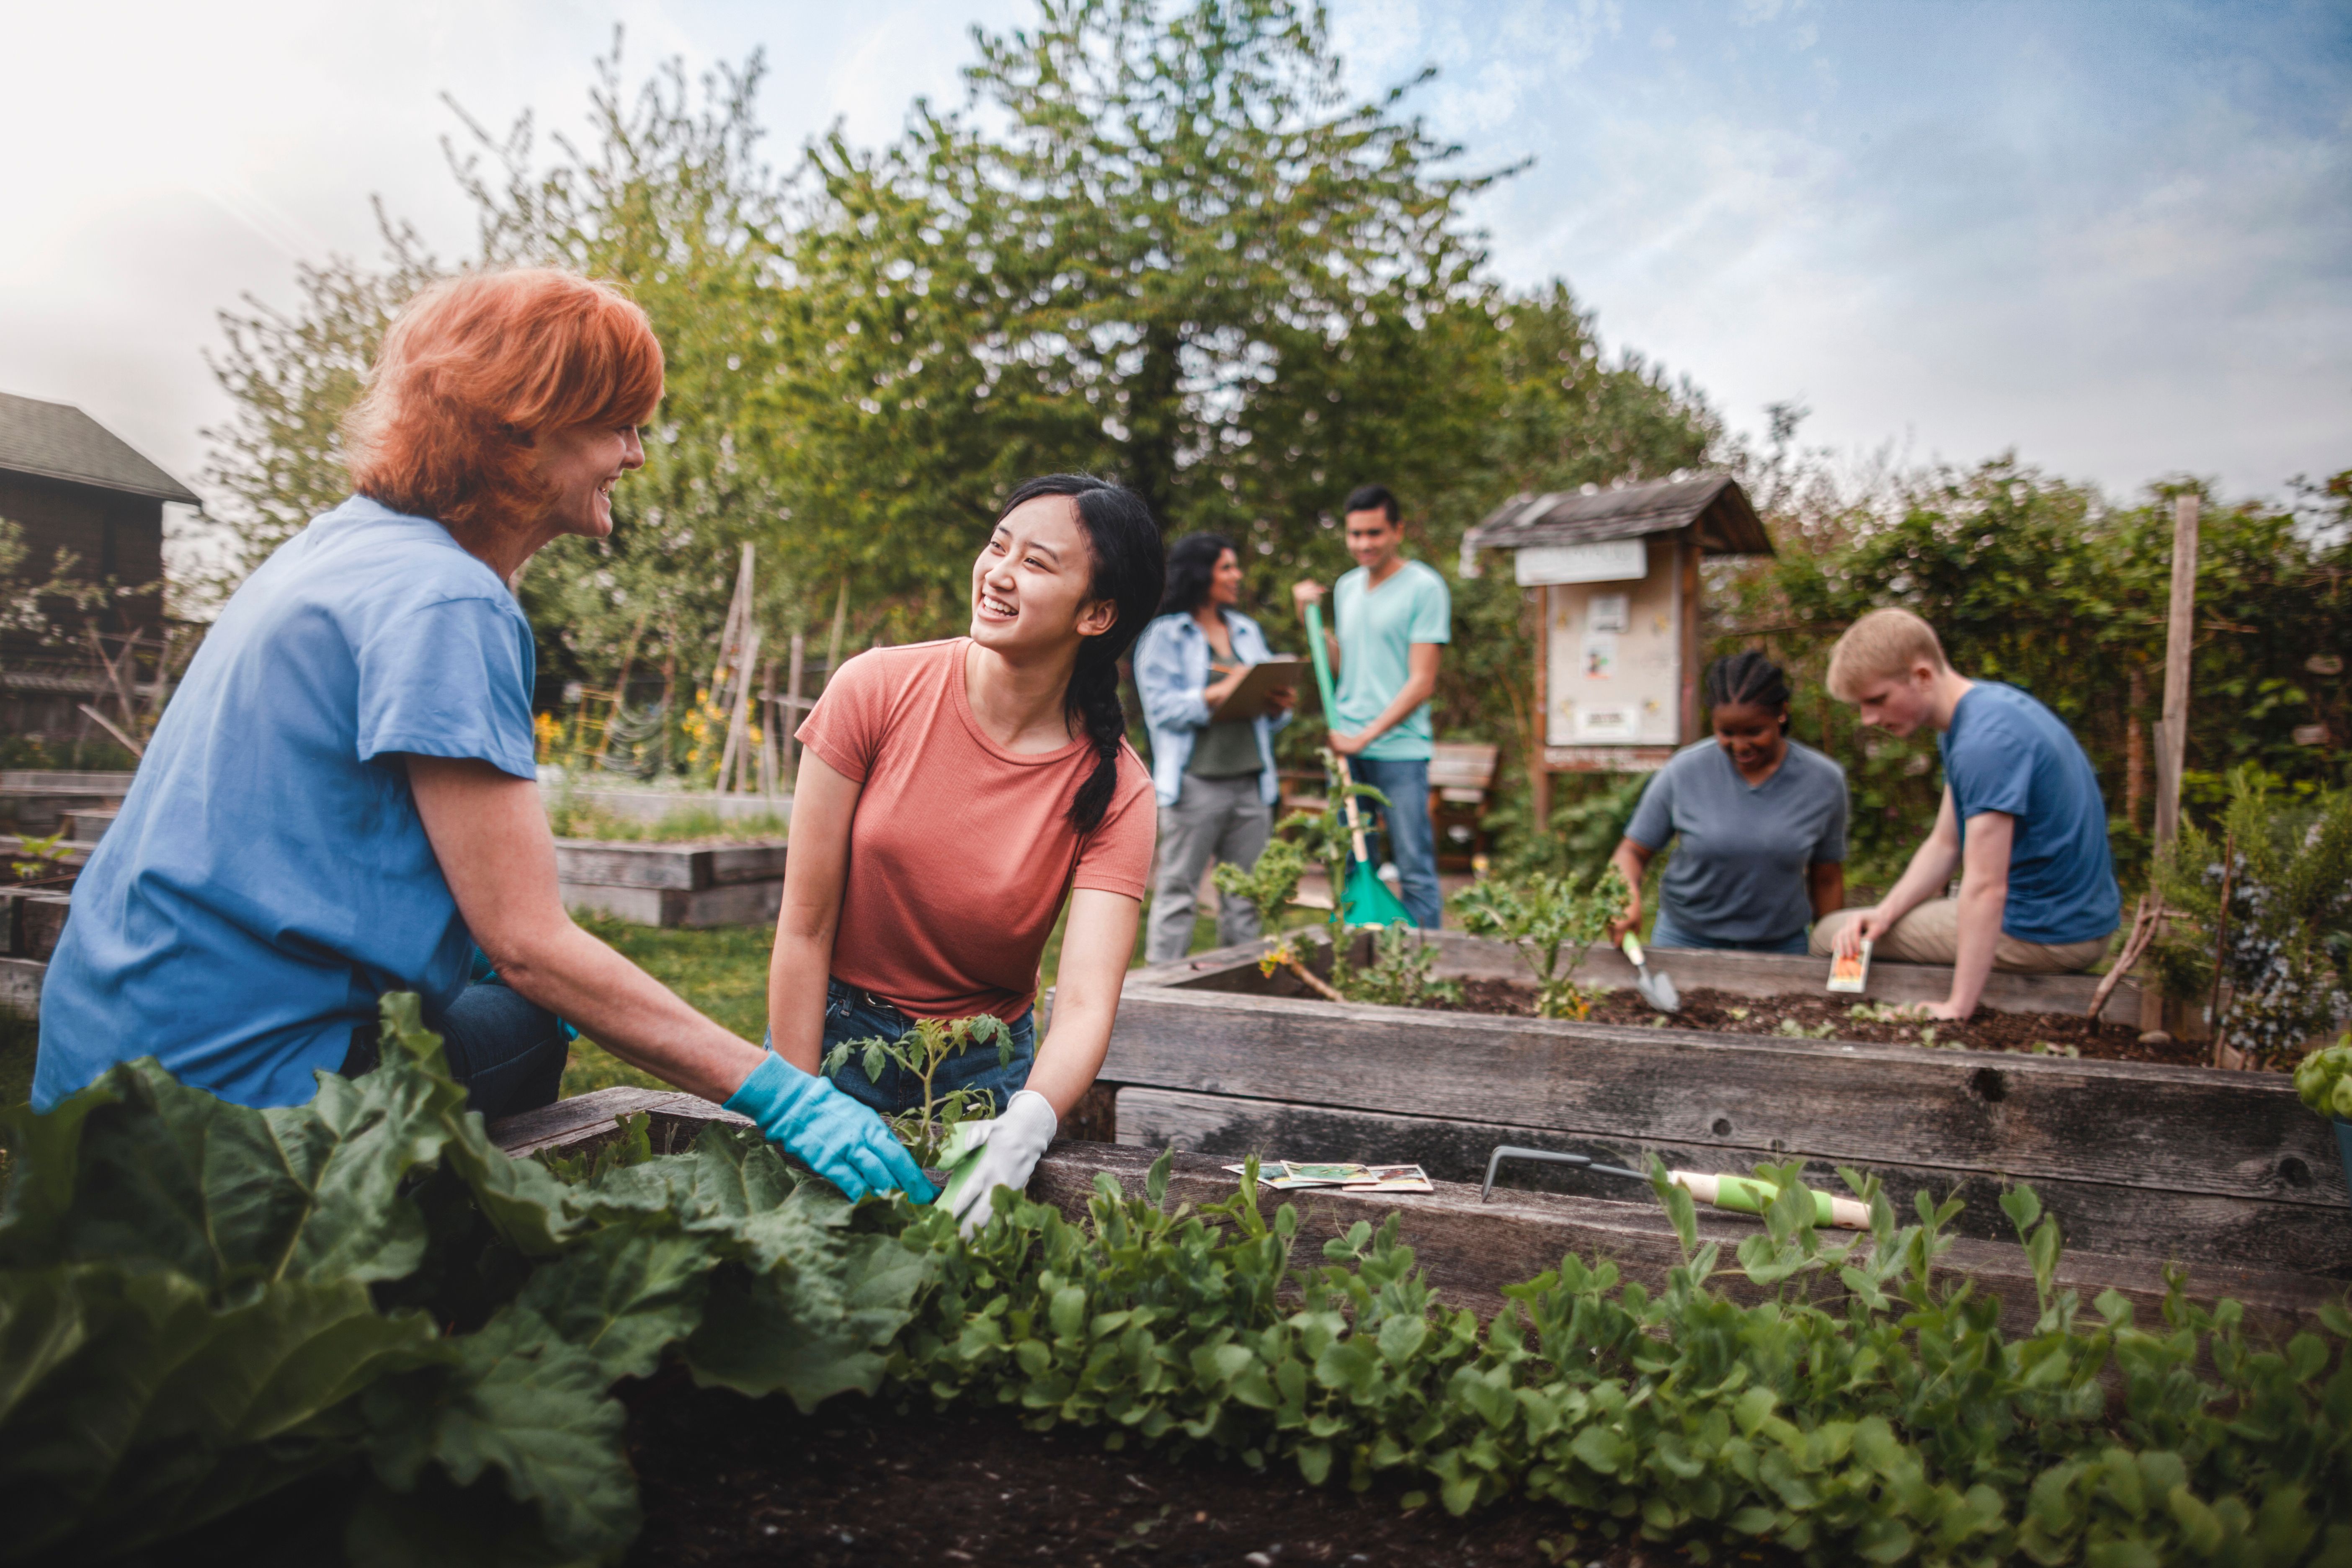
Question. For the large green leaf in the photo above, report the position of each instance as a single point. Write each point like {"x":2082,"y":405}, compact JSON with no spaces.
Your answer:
{"x":170,"y":1411}
{"x":523,"y":1401}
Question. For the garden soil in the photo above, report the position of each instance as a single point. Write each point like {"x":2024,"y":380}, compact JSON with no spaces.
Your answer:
{"x":729,"y":1480}
{"x":1827,"y":1016}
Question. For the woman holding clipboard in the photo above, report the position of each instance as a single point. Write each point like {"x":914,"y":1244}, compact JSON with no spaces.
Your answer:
{"x":1214,"y":776}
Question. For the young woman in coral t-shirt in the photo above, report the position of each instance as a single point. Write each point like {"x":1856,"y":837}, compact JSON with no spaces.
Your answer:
{"x":950,"y":794}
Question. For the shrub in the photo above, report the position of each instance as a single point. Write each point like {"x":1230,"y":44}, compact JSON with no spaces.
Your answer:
{"x":2285,"y":935}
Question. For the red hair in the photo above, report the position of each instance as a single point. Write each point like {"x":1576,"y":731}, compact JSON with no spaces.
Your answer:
{"x":475,"y":370}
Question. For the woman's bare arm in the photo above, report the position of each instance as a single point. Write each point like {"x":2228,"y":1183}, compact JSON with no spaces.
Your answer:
{"x":490,"y":836}
{"x":1632,"y":859}
{"x":816,"y":869}
{"x":1095,"y":946}
{"x":1825,"y":881}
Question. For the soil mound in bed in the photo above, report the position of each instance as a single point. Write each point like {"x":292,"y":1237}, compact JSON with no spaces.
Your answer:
{"x":1826,"y":1017}
{"x":728,"y":1481}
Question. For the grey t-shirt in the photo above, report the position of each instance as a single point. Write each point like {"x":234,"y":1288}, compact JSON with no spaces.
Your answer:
{"x":1739,"y":875}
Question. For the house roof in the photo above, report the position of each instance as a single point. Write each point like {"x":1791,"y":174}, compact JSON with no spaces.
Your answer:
{"x":58,"y":441}
{"x":1728,"y":523}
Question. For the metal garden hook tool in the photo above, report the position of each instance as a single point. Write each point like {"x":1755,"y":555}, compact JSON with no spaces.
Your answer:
{"x":1657,"y":990}
{"x":1744,"y":1195}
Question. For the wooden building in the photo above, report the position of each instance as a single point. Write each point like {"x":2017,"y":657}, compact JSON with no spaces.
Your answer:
{"x":71,"y":485}
{"x":1614,"y":574}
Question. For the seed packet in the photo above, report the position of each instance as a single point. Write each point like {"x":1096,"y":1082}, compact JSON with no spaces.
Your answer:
{"x":1288,"y":1175}
{"x":1851,"y":973}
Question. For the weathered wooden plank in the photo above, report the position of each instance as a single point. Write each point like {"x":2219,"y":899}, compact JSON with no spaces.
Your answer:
{"x":739,"y":903}
{"x":1470,"y":1249}
{"x":40,"y":922}
{"x":761,"y":862}
{"x":2189,"y":1129}
{"x":2130,"y":1222}
{"x":607,"y":863}
{"x":47,"y":781}
{"x":587,"y":1119}
{"x":1742,"y":973}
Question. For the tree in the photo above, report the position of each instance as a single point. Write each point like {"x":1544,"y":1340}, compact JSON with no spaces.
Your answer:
{"x":291,"y":376}
{"x":1157,"y":243}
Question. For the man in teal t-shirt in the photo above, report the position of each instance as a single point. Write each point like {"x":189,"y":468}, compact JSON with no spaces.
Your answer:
{"x":1392,"y":615}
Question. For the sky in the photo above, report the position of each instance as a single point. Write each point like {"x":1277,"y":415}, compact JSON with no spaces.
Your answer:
{"x":2113,"y":236}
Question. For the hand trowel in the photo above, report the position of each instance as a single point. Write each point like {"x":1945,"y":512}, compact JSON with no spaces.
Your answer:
{"x":1657,"y":990}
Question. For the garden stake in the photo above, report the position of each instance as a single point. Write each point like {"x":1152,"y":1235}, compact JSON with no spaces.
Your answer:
{"x":2223,"y":1057}
{"x":1366,"y":900}
{"x":1742,"y":1195}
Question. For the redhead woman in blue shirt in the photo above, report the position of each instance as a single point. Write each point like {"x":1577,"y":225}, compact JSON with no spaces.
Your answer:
{"x":342,"y":800}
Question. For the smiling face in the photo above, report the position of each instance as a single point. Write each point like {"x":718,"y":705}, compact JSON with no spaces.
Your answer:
{"x":1032,"y":586}
{"x":579,"y":466}
{"x":1897,"y":704}
{"x":1226,"y":580}
{"x":1750,"y":731}
{"x":1372,"y":539}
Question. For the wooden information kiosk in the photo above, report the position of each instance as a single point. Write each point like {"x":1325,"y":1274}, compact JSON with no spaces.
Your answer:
{"x":1614,"y":576}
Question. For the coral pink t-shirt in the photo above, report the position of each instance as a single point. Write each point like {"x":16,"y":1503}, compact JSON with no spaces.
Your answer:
{"x":959,"y":852}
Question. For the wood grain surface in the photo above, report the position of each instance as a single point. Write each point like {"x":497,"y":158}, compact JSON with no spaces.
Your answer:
{"x":2185,"y":1130}
{"x":2197,"y":1230}
{"x":1471,"y":1249}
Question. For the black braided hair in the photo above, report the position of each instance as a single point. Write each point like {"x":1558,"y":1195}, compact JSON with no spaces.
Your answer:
{"x":1129,"y":567}
{"x":1191,"y":567}
{"x":1748,"y":677}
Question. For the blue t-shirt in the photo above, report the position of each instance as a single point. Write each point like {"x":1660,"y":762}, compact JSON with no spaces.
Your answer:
{"x":1739,"y":875}
{"x":2007,"y":752}
{"x":1377,"y":629}
{"x":269,"y":878}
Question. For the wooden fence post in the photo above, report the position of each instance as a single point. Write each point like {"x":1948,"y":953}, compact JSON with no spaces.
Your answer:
{"x":2172,"y":732}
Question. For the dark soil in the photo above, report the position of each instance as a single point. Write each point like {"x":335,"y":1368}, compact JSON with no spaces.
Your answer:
{"x":730,"y":1480}
{"x":1825,"y":1016}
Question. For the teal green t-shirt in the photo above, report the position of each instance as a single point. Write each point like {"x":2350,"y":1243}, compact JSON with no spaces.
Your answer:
{"x":1377,"y":628}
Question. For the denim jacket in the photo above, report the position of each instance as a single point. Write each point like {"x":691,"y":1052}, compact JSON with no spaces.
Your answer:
{"x":1172,"y":670}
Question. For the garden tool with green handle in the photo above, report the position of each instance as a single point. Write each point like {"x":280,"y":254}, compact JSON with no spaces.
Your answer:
{"x":1366,"y":900}
{"x":1743,"y":1194}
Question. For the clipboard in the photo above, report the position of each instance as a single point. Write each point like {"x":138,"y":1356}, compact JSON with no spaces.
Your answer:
{"x":1248,"y":700}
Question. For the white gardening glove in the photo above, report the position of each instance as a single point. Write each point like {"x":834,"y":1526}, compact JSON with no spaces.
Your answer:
{"x":1008,"y":1147}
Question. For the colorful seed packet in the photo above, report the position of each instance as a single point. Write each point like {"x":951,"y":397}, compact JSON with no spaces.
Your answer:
{"x":1287,"y":1175}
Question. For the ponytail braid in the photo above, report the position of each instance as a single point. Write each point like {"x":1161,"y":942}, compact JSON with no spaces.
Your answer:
{"x":1094,"y":703}
{"x":1129,"y":569}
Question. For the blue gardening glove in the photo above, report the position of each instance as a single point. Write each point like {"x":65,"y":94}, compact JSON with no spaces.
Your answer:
{"x":839,"y":1139}
{"x":1005,"y":1150}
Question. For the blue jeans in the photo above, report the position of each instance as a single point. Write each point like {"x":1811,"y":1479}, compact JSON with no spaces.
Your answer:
{"x":508,"y":1052}
{"x":854,"y":1015}
{"x":1412,"y":841}
{"x":1666,"y":934}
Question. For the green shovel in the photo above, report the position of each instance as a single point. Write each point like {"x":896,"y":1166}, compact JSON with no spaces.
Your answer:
{"x":1366,"y":901}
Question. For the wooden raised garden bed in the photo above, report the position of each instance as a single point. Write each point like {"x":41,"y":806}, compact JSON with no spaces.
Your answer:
{"x":2221,"y":1170}
{"x":695,"y":885}
{"x":1472,"y":1248}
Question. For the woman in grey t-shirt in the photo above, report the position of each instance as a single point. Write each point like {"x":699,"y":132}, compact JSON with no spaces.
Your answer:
{"x":1761,"y":819}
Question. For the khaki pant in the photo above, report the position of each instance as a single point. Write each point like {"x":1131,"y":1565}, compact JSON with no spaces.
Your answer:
{"x":1931,"y":935}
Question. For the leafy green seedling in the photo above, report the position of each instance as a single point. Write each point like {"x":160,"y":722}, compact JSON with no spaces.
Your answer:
{"x":1553,"y":920}
{"x":922,"y":1051}
{"x":1399,"y":975}
{"x":41,"y":854}
{"x":2324,"y":1079}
